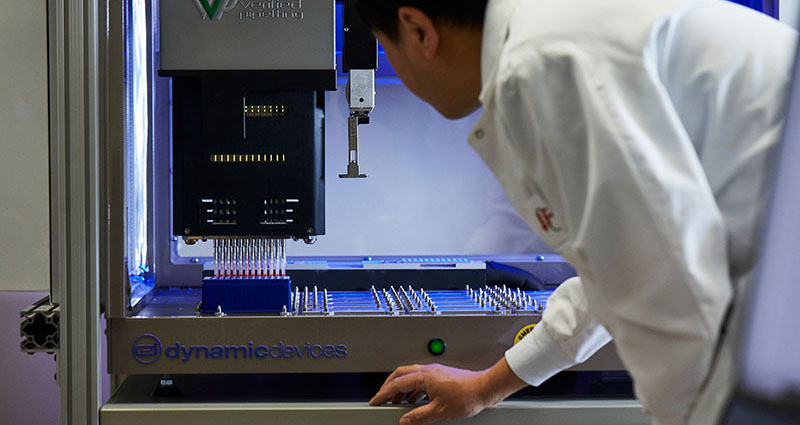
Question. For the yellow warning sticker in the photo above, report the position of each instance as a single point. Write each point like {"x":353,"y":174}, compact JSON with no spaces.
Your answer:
{"x":522,"y":332}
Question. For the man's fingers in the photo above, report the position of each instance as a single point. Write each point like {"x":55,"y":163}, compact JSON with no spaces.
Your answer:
{"x":402,"y":370}
{"x":398,"y":398}
{"x":416,"y":397}
{"x":401,"y":385}
{"x":423,"y":415}
{"x":381,"y":397}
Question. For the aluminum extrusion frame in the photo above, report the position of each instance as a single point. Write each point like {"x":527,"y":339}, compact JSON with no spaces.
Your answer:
{"x":74,"y":69}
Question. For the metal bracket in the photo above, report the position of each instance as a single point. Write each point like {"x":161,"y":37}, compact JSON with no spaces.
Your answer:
{"x":353,"y":168}
{"x":360,"y":60}
{"x":361,"y":97}
{"x":40,"y":327}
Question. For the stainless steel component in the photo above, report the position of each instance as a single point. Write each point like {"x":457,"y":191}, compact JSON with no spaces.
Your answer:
{"x":76,"y":195}
{"x":353,"y":168}
{"x":249,"y":258}
{"x":296,"y":300}
{"x":396,"y":299}
{"x":361,"y":96}
{"x":361,"y":91}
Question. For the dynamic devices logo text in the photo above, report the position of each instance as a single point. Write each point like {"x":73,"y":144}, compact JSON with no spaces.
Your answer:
{"x":147,"y":349}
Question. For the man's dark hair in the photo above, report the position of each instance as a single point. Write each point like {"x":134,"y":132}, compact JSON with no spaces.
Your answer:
{"x":381,"y":15}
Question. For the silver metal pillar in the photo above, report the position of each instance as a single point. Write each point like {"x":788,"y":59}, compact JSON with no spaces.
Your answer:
{"x":74,"y":185}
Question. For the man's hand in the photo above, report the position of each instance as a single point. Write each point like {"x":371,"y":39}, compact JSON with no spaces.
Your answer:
{"x":453,"y":393}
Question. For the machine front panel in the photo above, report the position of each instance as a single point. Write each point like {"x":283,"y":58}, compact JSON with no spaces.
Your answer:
{"x":252,"y":344}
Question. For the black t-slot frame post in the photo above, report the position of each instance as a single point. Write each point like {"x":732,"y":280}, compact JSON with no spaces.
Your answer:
{"x":360,"y":50}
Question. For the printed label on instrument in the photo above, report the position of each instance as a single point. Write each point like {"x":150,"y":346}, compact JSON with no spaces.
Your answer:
{"x":148,"y":349}
{"x":276,"y":9}
{"x":522,"y":332}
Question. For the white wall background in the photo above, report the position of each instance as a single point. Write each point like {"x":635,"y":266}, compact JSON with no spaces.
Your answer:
{"x":24,"y":184}
{"x":790,"y":12}
{"x":428,"y":192}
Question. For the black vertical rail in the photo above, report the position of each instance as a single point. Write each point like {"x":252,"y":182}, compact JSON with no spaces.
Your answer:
{"x":360,"y":50}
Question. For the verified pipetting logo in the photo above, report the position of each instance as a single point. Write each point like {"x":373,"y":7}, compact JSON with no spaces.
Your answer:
{"x":248,"y":10}
{"x":214,"y":9}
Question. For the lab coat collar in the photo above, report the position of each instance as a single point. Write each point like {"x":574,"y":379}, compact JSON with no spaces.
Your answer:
{"x":484,"y":133}
{"x":495,"y":33}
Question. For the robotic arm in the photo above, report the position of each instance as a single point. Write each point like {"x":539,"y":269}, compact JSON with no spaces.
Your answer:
{"x":360,"y":62}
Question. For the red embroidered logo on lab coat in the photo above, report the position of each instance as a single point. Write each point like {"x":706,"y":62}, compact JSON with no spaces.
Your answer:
{"x":545,"y":217}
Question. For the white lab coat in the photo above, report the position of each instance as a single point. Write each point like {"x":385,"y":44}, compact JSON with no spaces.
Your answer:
{"x":634,"y":137}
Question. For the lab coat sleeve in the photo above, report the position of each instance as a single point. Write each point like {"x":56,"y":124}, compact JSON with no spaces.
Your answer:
{"x":599,"y":141}
{"x":568,"y":334}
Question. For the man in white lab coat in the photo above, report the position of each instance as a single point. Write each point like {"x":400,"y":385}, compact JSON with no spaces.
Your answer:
{"x":635,"y":137}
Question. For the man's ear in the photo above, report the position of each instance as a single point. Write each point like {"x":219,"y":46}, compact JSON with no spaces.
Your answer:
{"x":417,"y":28}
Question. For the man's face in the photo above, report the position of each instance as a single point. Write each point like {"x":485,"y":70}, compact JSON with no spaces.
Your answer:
{"x":431,"y":79}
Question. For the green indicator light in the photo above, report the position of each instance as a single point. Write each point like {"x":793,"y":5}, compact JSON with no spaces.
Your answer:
{"x":436,"y":346}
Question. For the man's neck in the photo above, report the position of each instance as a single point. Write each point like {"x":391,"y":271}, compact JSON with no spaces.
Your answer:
{"x":463,"y":60}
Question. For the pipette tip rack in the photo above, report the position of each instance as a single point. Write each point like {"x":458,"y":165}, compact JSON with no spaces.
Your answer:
{"x":408,"y":301}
